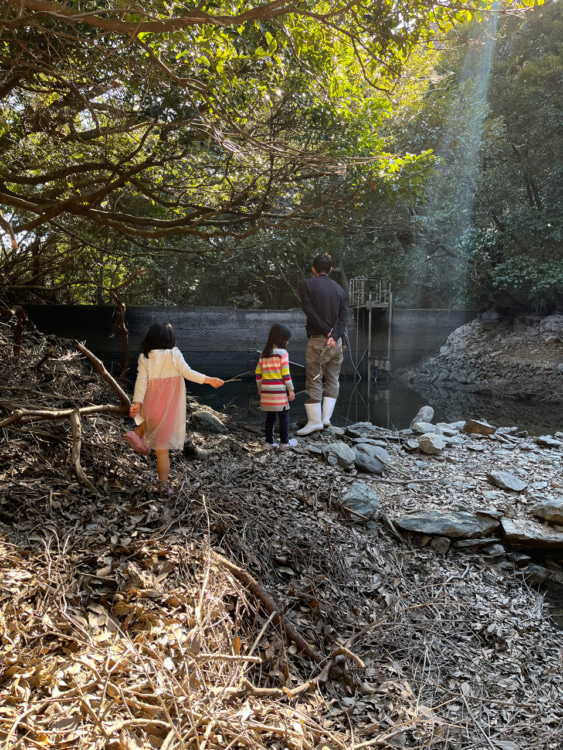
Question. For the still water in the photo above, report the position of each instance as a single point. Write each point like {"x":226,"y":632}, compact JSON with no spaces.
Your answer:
{"x":388,"y":404}
{"x":416,"y":334}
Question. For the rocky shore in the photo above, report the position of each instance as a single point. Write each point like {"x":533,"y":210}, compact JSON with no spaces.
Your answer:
{"x":470,"y":487}
{"x":519,"y":358}
{"x":370,"y":588}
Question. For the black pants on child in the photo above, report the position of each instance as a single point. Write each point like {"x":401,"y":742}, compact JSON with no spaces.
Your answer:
{"x":284,"y":426}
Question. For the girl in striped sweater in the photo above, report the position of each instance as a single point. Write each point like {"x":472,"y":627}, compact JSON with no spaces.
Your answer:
{"x":275,"y":385}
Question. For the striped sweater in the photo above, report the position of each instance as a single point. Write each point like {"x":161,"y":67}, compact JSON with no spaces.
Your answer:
{"x":274,"y":381}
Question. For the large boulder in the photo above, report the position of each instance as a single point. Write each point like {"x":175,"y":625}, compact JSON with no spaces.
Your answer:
{"x":453,"y":524}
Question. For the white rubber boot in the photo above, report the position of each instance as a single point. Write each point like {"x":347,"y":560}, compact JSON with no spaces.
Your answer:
{"x":328,"y":408}
{"x":314,"y":421}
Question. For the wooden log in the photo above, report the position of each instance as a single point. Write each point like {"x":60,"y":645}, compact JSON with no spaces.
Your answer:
{"x":101,"y":369}
{"x":76,"y":426}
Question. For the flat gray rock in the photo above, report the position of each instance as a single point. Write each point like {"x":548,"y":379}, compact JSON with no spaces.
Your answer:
{"x":549,"y":510}
{"x":369,"y":441}
{"x":490,"y":513}
{"x":336,"y":430}
{"x":314,"y":449}
{"x":546,"y":441}
{"x":362,"y":499}
{"x":450,"y":428}
{"x":371,"y":458}
{"x":474,"y":543}
{"x":506,"y":481}
{"x":360,"y":429}
{"x":339,"y":454}
{"x":475,"y":427}
{"x":530,"y":535}
{"x":453,"y":524}
{"x":206,"y":421}
{"x":422,"y":427}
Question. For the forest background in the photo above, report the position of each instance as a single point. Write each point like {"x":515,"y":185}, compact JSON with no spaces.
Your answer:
{"x":181,"y":154}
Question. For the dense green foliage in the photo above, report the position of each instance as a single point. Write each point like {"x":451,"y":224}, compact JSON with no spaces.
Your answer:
{"x":188,"y":153}
{"x":490,"y":228}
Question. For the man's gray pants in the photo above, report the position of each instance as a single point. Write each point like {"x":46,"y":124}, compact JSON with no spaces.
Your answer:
{"x":322,"y":362}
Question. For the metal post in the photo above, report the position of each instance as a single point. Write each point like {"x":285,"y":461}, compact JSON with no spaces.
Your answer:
{"x":369,"y":356}
{"x":389,"y":329}
{"x":357,"y":333}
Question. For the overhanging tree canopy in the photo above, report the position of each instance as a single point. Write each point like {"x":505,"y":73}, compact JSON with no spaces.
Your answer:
{"x":156,"y":121}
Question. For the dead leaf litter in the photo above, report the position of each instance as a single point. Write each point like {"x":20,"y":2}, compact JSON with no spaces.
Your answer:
{"x":251,"y":609}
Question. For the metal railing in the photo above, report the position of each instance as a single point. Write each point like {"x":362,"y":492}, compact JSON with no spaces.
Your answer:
{"x":366,"y":291}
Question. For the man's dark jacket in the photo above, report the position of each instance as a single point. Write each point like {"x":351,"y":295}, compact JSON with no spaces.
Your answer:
{"x":325,"y":304}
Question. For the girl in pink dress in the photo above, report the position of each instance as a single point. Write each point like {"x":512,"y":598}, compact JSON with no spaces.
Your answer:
{"x":159,"y":399}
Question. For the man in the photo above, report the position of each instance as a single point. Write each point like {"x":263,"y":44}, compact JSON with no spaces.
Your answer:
{"x":325,"y":304}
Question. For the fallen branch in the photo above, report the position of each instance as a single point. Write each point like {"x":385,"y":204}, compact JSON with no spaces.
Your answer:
{"x":228,"y":657}
{"x":76,"y":427}
{"x":290,"y":631}
{"x":100,"y":368}
{"x":249,"y":689}
{"x":44,"y":358}
{"x":38,"y":415}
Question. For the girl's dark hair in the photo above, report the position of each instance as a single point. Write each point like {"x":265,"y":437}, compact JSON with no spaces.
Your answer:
{"x":159,"y":336}
{"x":277,"y":338}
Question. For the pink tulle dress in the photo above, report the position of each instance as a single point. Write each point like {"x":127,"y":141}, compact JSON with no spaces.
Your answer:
{"x":161,"y":390}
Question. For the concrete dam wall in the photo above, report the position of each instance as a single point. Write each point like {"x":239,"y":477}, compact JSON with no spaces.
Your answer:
{"x":217,"y":340}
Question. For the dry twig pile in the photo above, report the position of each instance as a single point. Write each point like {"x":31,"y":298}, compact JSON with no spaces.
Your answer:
{"x":249,"y":611}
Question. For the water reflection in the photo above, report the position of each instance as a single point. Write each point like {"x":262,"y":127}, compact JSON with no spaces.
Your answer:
{"x":390,"y":405}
